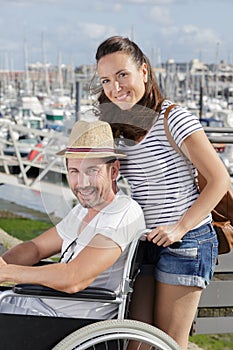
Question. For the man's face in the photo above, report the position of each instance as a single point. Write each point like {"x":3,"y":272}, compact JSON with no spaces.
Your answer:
{"x":91,"y":181}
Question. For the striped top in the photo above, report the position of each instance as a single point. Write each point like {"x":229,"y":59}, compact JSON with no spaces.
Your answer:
{"x":158,"y":176}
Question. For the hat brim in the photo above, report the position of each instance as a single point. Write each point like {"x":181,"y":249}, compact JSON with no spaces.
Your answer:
{"x":99,"y":154}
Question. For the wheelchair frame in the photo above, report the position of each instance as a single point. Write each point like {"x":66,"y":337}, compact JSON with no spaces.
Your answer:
{"x":46,"y":333}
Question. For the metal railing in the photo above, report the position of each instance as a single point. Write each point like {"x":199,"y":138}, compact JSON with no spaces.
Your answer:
{"x":215,"y":311}
{"x":41,"y":155}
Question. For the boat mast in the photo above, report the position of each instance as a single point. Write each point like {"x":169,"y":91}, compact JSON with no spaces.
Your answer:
{"x":27,"y":87}
{"x":46,"y":74}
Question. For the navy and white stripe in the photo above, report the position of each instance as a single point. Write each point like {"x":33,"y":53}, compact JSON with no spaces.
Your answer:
{"x":158,"y":176}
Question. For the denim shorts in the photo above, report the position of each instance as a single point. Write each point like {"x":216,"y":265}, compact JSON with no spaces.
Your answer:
{"x":192,"y":263}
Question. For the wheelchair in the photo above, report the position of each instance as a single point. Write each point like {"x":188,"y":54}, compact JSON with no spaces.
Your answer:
{"x":30,"y":332}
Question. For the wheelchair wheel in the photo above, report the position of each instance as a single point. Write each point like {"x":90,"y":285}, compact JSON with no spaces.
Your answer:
{"x":118,"y":335}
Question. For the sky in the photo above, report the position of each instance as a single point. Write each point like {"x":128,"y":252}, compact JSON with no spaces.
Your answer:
{"x":69,"y":31}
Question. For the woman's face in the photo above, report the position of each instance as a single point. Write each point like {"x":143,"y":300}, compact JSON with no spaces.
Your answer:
{"x":122,"y":81}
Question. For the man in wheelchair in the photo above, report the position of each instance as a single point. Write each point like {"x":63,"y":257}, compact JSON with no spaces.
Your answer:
{"x":93,"y":239}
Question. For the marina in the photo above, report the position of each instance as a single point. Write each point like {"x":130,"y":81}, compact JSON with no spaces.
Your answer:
{"x":38,"y":107}
{"x":47,"y":63}
{"x":36,"y":117}
{"x":38,"y":180}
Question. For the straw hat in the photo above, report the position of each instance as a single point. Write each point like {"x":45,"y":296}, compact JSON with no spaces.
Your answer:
{"x":92,"y":140}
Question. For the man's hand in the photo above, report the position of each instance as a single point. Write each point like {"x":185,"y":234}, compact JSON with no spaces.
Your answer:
{"x":2,"y":262}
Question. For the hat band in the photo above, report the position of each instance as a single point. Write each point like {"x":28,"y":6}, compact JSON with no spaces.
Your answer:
{"x":92,"y":150}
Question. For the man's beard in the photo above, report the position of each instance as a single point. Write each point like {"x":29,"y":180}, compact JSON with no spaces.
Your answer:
{"x":88,"y":197}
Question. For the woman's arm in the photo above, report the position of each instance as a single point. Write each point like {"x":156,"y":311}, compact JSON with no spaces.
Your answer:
{"x":204,"y":157}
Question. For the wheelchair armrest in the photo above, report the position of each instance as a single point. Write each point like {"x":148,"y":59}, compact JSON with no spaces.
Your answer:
{"x":44,"y":262}
{"x":42,"y":291}
{"x":4,"y":288}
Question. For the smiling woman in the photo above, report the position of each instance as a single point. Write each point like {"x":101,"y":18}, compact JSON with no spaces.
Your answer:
{"x":160,"y":182}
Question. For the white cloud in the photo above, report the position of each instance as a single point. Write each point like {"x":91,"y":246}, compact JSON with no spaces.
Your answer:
{"x":169,"y":31}
{"x":191,"y":40}
{"x":161,"y":15}
{"x":29,"y":2}
{"x":74,"y":27}
{"x":96,"y":31}
{"x":195,"y":36}
{"x":117,"y":7}
{"x":152,"y":2}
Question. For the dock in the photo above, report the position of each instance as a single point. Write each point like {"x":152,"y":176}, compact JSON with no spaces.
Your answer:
{"x":40,"y":171}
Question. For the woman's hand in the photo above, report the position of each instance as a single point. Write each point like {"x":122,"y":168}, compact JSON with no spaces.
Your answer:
{"x":165,"y":235}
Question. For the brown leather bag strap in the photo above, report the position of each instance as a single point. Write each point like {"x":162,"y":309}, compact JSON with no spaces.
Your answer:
{"x":166,"y":113}
{"x":167,"y":131}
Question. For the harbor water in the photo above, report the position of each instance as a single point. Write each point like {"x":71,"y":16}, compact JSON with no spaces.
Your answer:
{"x":35,"y":204}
